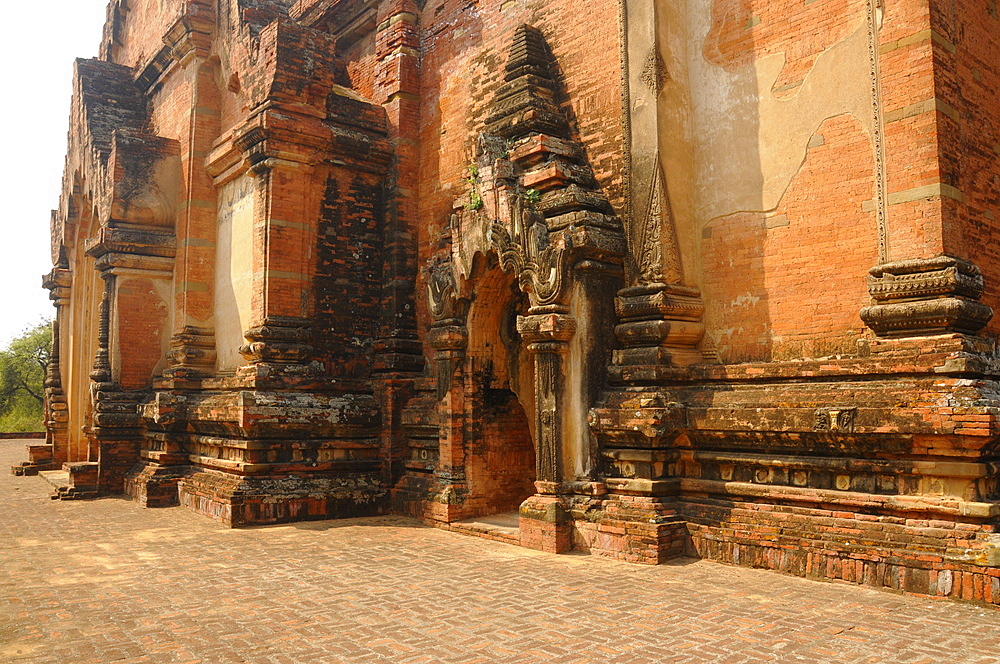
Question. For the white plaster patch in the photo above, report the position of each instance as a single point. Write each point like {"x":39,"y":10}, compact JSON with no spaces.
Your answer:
{"x":748,"y":145}
{"x":233,"y":270}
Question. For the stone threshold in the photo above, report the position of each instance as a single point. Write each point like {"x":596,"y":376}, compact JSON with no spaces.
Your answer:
{"x":57,"y":478}
{"x":497,"y":527}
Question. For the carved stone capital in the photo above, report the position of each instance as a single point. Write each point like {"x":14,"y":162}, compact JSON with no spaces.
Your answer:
{"x":280,"y":340}
{"x":191,"y":36}
{"x":58,"y":283}
{"x":448,"y":338}
{"x":192,"y":353}
{"x":940,"y":276}
{"x":120,"y":240}
{"x":659,"y":300}
{"x":926,"y":296}
{"x":541,"y":329}
{"x":548,"y":488}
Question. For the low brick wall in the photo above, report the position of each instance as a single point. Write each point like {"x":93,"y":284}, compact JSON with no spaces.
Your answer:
{"x":31,"y":435}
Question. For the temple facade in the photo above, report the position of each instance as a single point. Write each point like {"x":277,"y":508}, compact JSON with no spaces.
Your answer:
{"x":711,"y":278}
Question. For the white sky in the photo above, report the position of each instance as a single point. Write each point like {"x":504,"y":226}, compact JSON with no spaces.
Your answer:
{"x":36,"y":70}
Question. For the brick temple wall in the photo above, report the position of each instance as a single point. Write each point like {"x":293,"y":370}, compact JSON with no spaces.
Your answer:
{"x":966,"y":79}
{"x":784,"y":175}
{"x":271,"y":189}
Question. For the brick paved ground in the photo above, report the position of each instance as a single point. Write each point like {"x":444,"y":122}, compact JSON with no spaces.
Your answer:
{"x":105,"y":581}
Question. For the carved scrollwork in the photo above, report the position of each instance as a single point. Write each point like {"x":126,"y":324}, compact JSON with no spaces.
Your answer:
{"x":442,"y":291}
{"x":528,"y":250}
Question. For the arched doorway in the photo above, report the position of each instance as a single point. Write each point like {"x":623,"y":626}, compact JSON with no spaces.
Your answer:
{"x":500,"y":454}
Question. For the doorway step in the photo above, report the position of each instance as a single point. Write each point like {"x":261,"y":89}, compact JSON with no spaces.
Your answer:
{"x":498,"y":527}
{"x":77,"y":480}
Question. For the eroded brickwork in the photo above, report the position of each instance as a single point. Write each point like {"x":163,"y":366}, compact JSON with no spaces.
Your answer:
{"x":709,"y":278}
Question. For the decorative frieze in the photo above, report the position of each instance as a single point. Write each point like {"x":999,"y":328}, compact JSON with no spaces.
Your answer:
{"x":835,"y":419}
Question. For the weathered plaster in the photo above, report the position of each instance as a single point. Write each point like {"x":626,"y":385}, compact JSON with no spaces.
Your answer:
{"x":234,"y":270}
{"x":748,"y":144}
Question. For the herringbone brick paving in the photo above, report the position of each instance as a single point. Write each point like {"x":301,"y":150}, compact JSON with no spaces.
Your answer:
{"x":106,"y":581}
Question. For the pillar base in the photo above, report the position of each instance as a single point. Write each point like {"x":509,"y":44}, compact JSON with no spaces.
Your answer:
{"x":76,"y":481}
{"x":545,"y":524}
{"x":637,"y":529}
{"x":430,"y":500}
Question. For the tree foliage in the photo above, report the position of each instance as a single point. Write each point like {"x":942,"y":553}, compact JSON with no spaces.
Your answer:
{"x":22,"y":378}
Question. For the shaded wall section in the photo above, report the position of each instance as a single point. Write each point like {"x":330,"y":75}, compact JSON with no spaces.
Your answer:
{"x":782,"y":171}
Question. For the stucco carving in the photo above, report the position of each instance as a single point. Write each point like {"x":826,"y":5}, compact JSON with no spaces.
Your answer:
{"x":874,"y":17}
{"x":654,"y":72}
{"x":526,"y":249}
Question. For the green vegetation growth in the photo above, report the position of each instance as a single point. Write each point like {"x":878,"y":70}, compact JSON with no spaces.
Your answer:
{"x":22,"y":378}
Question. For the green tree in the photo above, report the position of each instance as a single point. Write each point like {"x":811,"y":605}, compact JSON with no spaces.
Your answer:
{"x":22,"y":378}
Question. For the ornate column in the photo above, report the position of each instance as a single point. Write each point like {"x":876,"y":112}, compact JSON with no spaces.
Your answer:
{"x":660,"y":310}
{"x":51,"y":454}
{"x":113,"y":430}
{"x":136,"y":266}
{"x":545,"y":524}
{"x":539,"y":258}
{"x":57,"y":416}
{"x":84,"y":476}
{"x":547,"y":336}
